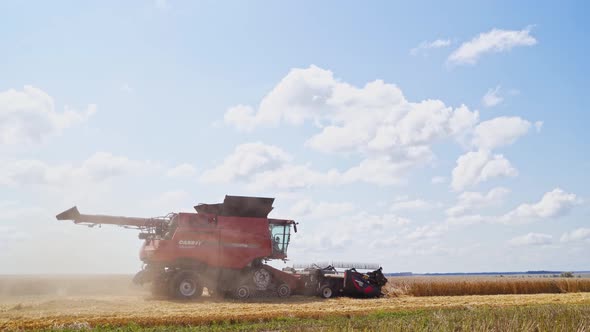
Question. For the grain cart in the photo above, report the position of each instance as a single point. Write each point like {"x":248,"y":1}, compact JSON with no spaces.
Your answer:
{"x":223,"y":247}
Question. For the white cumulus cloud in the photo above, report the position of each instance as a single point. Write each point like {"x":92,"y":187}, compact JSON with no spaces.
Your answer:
{"x":413,"y":205}
{"x":428,"y":45}
{"x":246,"y":160}
{"x":264,"y":166}
{"x":375,"y":118}
{"x":354,"y":228}
{"x":378,"y":171}
{"x":299,"y":96}
{"x":429,"y":231}
{"x":99,"y":167}
{"x":478,"y":166}
{"x":499,"y":132}
{"x":532,"y":239}
{"x":469,"y":201}
{"x":492,"y":97}
{"x":29,"y":116}
{"x":386,"y":170}
{"x":493,"y":41}
{"x":553,"y":204}
{"x":375,"y":122}
{"x":579,"y":234}
{"x":292,"y":176}
{"x":182,"y":170}
{"x":307,"y":208}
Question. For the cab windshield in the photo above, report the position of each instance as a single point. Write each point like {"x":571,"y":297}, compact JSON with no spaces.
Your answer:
{"x":280,"y":235}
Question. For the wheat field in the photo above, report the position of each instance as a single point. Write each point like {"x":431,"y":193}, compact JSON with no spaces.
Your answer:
{"x":55,"y":302}
{"x":455,"y":286}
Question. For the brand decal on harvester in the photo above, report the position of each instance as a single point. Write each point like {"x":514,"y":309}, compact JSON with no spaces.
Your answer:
{"x":189,"y":243}
{"x":201,"y":243}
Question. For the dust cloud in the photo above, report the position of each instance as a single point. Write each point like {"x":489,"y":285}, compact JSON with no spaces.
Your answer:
{"x":51,"y":286}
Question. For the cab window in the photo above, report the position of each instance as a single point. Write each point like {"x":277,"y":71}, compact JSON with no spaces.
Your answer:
{"x":280,"y":235}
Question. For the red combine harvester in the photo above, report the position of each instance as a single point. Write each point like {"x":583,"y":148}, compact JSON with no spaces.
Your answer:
{"x":224,"y":247}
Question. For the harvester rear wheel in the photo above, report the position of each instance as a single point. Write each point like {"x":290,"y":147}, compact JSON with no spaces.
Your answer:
{"x":185,"y":285}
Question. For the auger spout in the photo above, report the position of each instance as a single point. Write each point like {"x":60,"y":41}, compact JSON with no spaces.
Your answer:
{"x":98,"y":219}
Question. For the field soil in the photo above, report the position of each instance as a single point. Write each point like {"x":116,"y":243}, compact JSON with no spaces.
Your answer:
{"x":69,"y":301}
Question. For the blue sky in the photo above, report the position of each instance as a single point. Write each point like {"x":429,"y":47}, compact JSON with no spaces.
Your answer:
{"x":423,"y":136}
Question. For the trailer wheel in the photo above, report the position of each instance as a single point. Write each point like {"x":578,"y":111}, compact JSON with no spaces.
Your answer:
{"x":242,"y":292}
{"x":283,"y":290}
{"x":326,"y":292}
{"x":186,"y":286}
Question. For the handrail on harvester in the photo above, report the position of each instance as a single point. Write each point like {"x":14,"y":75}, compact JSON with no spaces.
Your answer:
{"x":338,"y":265}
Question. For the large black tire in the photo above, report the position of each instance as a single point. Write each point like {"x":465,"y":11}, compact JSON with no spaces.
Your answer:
{"x":262,"y":279}
{"x":185,"y":285}
{"x":242,"y":292}
{"x":326,"y":291}
{"x":283,"y":290}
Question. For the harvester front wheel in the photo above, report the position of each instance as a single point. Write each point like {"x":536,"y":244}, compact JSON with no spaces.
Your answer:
{"x":185,"y":285}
